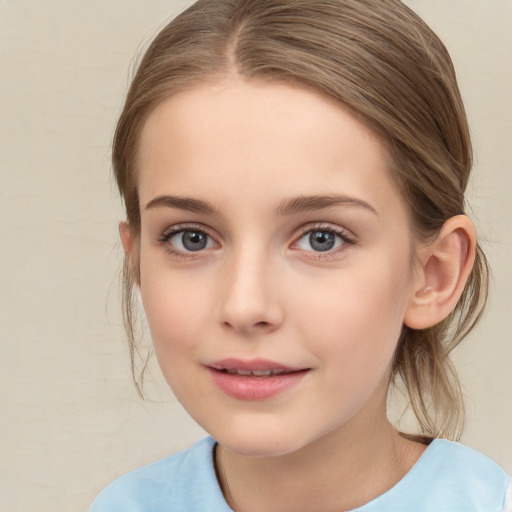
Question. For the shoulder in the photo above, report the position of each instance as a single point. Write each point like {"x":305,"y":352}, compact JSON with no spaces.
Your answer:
{"x":463,"y":465}
{"x":455,"y":476}
{"x":182,"y":482}
{"x":448,"y":477}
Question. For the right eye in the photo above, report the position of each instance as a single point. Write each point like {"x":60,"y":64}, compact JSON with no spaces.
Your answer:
{"x":185,"y":241}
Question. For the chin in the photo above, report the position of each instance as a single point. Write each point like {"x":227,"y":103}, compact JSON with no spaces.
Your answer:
{"x":258,"y":446}
{"x":257,"y":439}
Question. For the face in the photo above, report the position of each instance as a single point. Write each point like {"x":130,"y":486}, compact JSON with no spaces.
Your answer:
{"x":275,"y":263}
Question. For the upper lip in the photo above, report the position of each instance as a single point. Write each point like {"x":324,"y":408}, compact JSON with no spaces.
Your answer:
{"x":251,"y":365}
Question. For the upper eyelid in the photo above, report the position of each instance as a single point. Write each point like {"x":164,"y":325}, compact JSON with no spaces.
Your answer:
{"x":177,"y":228}
{"x":185,"y":226}
{"x":320,"y":226}
{"x":324,"y":226}
{"x":163,"y":240}
{"x":299,"y":232}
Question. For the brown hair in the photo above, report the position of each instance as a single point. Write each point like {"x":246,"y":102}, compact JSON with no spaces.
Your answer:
{"x":381,"y":61}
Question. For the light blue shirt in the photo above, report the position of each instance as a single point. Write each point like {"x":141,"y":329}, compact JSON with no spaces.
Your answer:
{"x":448,"y":477}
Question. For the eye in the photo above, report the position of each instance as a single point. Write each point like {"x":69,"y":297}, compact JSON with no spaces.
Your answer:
{"x":179,"y":240}
{"x":322,"y":240}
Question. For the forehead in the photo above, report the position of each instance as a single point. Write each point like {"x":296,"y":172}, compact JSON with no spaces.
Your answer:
{"x":261,"y":141}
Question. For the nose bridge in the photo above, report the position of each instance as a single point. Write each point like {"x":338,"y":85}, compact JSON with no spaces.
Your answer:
{"x":249,"y":300}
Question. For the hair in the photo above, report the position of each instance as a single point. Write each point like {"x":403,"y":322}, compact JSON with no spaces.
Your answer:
{"x":383,"y":63}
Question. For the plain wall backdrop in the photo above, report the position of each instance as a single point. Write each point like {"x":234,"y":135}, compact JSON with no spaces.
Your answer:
{"x":70,"y":418}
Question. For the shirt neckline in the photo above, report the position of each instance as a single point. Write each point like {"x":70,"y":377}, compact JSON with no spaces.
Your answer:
{"x":410,"y":475}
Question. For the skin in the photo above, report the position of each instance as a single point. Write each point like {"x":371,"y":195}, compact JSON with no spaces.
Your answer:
{"x":260,"y":290}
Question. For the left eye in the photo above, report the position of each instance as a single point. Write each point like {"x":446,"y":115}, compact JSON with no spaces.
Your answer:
{"x":190,"y":241}
{"x":320,"y":240}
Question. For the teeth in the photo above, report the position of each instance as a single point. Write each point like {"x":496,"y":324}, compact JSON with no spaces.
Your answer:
{"x":254,"y":373}
{"x":262,"y":373}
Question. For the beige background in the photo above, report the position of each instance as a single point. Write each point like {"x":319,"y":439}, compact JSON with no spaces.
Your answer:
{"x":70,"y":418}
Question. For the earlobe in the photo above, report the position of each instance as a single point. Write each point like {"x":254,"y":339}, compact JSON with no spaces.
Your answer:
{"x":445,"y":267}
{"x":131,"y":250}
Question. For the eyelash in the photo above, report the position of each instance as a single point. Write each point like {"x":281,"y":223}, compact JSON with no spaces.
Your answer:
{"x":181,"y":228}
{"x":346,"y":239}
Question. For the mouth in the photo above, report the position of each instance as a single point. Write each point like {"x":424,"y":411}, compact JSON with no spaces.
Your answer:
{"x":253,"y":367}
{"x":253,"y":373}
{"x":256,"y":379}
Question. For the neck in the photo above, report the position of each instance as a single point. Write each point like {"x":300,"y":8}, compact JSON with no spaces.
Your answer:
{"x":341,"y":471}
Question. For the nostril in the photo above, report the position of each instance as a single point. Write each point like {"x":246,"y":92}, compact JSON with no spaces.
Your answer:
{"x":255,"y":327}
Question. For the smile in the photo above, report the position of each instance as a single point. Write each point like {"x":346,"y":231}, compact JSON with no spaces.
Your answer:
{"x":254,"y":373}
{"x":254,"y":380}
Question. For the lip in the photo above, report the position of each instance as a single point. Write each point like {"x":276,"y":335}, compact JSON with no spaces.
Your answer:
{"x":251,"y":365}
{"x":251,"y":387}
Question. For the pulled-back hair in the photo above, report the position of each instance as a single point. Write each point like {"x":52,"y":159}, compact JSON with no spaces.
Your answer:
{"x":383,"y":63}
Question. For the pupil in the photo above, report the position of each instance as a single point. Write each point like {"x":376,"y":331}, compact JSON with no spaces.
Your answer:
{"x":322,"y":240}
{"x":193,"y":241}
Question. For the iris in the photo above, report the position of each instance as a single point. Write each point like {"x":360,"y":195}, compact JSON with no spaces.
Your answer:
{"x":322,"y":240}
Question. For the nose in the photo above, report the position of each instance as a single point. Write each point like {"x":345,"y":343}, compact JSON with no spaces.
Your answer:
{"x":250,"y":295}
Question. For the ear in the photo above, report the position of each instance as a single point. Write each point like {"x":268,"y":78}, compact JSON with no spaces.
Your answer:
{"x":445,"y":266}
{"x":131,"y":249}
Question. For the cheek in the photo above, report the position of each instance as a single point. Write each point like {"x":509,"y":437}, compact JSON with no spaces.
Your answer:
{"x":358,"y":316}
{"x":173,"y":308}
{"x":354,"y":335}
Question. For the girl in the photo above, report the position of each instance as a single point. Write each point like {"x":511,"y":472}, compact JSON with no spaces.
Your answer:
{"x":294,"y":173}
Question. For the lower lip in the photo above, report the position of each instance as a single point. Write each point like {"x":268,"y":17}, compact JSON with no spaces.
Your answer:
{"x":255,"y":388}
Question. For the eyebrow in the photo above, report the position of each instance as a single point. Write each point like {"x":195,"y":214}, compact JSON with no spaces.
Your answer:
{"x":290,"y":206}
{"x":302,"y":204}
{"x":182,"y":203}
